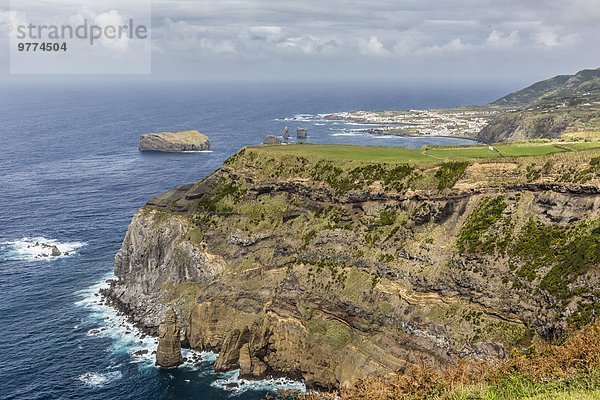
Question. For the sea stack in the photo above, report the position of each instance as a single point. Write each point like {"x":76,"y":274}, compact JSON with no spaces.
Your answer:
{"x":301,"y":133}
{"x":174,"y":142}
{"x":168,"y":354}
{"x":271,"y":139}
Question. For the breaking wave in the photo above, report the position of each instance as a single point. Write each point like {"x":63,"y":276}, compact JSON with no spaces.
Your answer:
{"x":103,"y":321}
{"x":231,"y":382}
{"x":37,"y":248}
{"x":95,"y":379}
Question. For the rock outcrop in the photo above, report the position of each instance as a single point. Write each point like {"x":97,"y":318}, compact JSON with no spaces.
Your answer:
{"x":55,"y":252}
{"x":168,"y":353}
{"x":330,"y":271}
{"x":271,"y":139}
{"x":172,"y":142}
{"x":301,"y":133}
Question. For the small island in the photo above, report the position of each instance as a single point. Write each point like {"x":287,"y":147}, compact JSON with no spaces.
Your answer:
{"x":173,"y":142}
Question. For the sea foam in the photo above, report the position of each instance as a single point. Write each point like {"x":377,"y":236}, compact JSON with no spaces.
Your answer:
{"x":36,"y":249}
{"x":96,"y":379}
{"x":103,"y":321}
{"x":231,"y":382}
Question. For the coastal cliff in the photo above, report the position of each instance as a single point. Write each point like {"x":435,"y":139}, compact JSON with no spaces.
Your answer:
{"x":332,"y":269}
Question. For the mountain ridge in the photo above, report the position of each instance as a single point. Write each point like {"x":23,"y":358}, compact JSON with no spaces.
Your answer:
{"x":563,"y":106}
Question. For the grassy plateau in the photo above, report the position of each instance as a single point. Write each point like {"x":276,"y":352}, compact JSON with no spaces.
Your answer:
{"x":425,"y":155}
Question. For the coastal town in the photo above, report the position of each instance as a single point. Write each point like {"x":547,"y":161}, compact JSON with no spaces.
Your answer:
{"x":458,"y":122}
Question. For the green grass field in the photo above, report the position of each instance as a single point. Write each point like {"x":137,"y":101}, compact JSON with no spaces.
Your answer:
{"x":427,"y":155}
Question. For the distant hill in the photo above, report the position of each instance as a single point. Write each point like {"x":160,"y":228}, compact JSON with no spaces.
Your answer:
{"x":549,"y":109}
{"x":583,"y":87}
{"x":529,"y":95}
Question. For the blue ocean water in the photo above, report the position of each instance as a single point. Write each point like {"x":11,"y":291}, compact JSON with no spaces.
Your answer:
{"x":71,"y":176}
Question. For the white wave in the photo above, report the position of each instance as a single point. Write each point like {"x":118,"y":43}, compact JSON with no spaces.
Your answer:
{"x":95,"y":379}
{"x":103,"y":321}
{"x":37,"y":248}
{"x":390,"y":137}
{"x":349,"y":134}
{"x":198,"y":151}
{"x":126,"y":338}
{"x":304,"y":118}
{"x":360,"y":124}
{"x":231,"y":382}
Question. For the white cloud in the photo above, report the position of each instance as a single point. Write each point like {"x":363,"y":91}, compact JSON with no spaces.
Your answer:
{"x":111,"y":20}
{"x":393,"y":35}
{"x":550,"y":39}
{"x":266,"y":33}
{"x":499,"y":39}
{"x":372,"y":47}
{"x":452,"y":47}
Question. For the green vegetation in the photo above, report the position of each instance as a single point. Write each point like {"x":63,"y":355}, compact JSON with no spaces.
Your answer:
{"x":347,"y":152}
{"x":474,"y":235}
{"x":427,"y":155}
{"x":585,"y":386}
{"x":449,"y":173}
{"x":536,"y":247}
{"x":396,"y":177}
{"x":221,"y":196}
{"x":331,"y":332}
{"x":573,"y":259}
{"x":567,"y":252}
{"x":345,"y":168}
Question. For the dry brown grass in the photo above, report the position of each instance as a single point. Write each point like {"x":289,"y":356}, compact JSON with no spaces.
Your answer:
{"x":578,"y":356}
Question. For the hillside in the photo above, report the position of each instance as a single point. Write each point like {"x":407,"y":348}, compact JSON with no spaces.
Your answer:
{"x":528,"y":96}
{"x":335,"y":263}
{"x":564,"y":106}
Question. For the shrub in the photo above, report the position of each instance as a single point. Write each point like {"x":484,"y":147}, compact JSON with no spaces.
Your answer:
{"x":449,"y":173}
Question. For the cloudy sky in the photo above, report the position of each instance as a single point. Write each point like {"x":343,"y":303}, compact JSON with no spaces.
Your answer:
{"x":408,"y":40}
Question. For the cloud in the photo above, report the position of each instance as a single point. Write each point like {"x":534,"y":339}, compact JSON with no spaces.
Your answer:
{"x":111,"y":20}
{"x":412,"y":37}
{"x":454,"y":46}
{"x":372,"y":47}
{"x":550,"y":39}
{"x":500,"y":40}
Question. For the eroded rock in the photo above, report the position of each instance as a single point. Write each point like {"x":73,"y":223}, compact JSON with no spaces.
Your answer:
{"x":168,"y":353}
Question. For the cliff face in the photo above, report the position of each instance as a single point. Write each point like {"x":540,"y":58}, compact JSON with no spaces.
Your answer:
{"x":330,"y":271}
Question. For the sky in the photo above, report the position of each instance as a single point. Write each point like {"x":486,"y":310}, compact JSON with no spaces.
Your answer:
{"x":387,"y":40}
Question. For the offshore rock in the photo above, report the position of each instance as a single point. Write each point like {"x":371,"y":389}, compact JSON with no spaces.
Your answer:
{"x":173,"y":142}
{"x":168,"y":354}
{"x":301,"y":133}
{"x":55,"y":251}
{"x":271,"y":139}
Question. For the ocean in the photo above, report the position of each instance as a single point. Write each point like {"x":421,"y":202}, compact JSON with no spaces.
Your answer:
{"x":71,"y":176}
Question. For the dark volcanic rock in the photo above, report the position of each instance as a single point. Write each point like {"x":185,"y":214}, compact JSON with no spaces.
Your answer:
{"x":55,"y":251}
